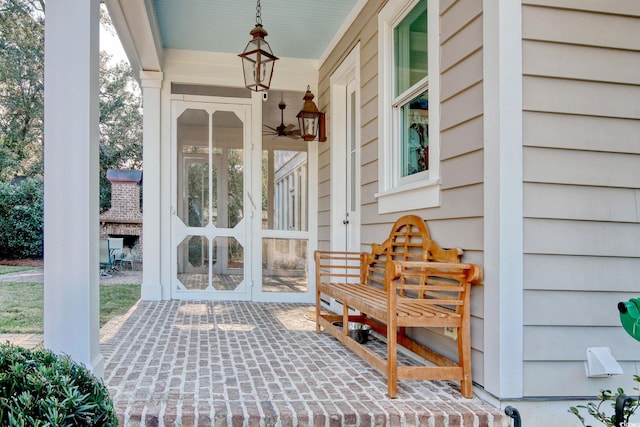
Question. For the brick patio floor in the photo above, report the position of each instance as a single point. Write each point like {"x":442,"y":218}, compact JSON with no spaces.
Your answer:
{"x":181,"y":363}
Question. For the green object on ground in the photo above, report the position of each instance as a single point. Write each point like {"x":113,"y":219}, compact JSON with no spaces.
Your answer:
{"x":630,"y":317}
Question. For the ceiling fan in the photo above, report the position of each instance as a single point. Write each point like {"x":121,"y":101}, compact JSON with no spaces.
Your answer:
{"x":282,"y":129}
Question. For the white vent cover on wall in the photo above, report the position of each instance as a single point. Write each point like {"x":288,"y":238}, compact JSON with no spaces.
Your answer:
{"x":601,"y":363}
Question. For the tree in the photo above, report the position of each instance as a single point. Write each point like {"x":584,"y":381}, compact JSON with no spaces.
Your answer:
{"x":21,"y":87}
{"x":120,"y":123}
{"x":120,"y":119}
{"x":22,"y":108}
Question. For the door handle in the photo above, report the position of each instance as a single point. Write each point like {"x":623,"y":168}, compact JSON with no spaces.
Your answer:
{"x":345,"y":222}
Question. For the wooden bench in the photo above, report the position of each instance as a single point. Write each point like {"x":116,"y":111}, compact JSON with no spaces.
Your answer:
{"x":408,"y":281}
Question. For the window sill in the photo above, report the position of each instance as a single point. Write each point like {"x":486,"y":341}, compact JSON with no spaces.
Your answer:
{"x":417,"y":195}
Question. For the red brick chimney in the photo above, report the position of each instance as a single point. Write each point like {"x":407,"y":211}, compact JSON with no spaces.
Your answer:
{"x":125,"y":196}
{"x":124,"y":219}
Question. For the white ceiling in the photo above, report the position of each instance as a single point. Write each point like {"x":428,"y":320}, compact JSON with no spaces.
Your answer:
{"x":297,"y":28}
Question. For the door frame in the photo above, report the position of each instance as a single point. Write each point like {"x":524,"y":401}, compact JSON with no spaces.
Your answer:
{"x":252,"y":233}
{"x":346,"y":74}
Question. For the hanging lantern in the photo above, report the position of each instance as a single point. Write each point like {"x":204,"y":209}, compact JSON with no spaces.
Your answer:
{"x":311,"y":120}
{"x":257,"y":58}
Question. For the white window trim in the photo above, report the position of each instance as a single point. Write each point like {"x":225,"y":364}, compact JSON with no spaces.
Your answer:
{"x":409,"y":194}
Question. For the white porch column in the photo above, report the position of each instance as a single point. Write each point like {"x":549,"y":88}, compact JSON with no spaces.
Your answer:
{"x":503,"y":198}
{"x":151,"y":85}
{"x":71,"y":199}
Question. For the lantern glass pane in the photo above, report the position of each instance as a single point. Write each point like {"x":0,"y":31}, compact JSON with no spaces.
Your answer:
{"x":310,"y":125}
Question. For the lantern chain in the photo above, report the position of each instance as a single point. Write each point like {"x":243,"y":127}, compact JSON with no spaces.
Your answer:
{"x":258,"y":13}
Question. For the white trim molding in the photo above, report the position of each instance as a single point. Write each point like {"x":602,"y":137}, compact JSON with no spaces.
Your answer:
{"x":503,"y":199}
{"x":151,"y":83}
{"x":346,"y":73}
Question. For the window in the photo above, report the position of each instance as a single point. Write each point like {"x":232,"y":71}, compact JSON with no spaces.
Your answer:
{"x":408,"y":49}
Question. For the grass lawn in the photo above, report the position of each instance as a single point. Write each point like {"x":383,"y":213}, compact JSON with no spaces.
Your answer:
{"x":4,"y":269}
{"x":21,"y":305}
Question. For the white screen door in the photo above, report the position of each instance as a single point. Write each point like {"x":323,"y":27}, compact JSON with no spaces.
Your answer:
{"x":211,"y":247}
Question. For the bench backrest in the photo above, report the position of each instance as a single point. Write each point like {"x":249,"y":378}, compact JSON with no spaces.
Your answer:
{"x":409,"y":240}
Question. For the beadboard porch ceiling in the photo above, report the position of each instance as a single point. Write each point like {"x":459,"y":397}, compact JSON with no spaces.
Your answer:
{"x":300,"y":29}
{"x":297,"y":29}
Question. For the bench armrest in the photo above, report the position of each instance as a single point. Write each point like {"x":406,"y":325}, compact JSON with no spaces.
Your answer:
{"x":438,"y":283}
{"x":340,"y":266}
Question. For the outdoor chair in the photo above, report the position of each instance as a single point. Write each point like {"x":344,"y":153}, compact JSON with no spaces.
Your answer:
{"x":116,"y":246}
{"x":106,"y":259}
{"x":131,"y":257}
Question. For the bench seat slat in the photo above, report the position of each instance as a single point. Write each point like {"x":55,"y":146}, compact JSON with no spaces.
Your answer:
{"x":365,"y":297}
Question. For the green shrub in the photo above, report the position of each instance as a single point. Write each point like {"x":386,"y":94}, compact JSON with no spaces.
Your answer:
{"x":21,"y":219}
{"x":40,"y":388}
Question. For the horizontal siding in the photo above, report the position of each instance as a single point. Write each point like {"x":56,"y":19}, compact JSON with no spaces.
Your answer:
{"x":369,"y":154}
{"x":580,"y":273}
{"x":570,"y":343}
{"x":465,"y":40}
{"x":369,"y":131}
{"x":452,"y":170}
{"x":460,"y":202}
{"x":465,"y":106}
{"x":464,"y":74}
{"x":587,"y":62}
{"x":581,"y":121}
{"x":464,"y":233}
{"x":578,"y":27}
{"x":560,"y":166}
{"x":458,"y":221}
{"x":580,"y":202}
{"x":457,"y":17}
{"x":581,"y":97}
{"x":619,"y":7}
{"x":561,"y":379}
{"x":368,"y":192}
{"x":463,"y":138}
{"x":562,"y":308}
{"x":573,"y":131}
{"x":588,"y":238}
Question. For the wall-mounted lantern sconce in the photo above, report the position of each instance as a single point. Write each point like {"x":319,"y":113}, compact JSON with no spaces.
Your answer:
{"x":257,"y":58}
{"x":311,"y":120}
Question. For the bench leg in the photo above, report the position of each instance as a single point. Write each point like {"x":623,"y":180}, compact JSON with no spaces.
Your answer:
{"x":392,"y":362}
{"x":464,"y":357}
{"x":317,"y":310}
{"x":345,"y":319}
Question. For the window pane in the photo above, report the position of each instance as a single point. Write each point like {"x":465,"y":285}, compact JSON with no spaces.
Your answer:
{"x":228,"y":172}
{"x":284,"y":265}
{"x":227,"y":255}
{"x":415,"y":135}
{"x":193,"y":168}
{"x":285,"y":189}
{"x":410,"y":40}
